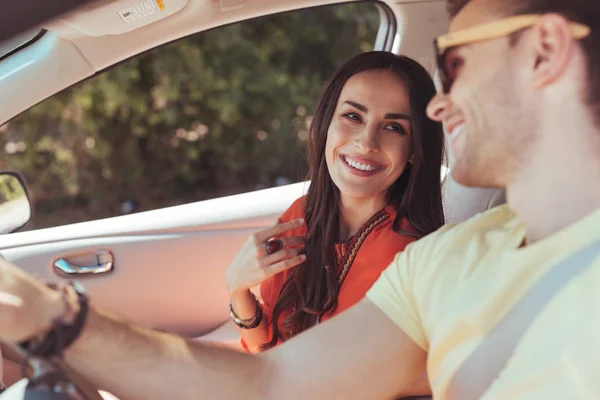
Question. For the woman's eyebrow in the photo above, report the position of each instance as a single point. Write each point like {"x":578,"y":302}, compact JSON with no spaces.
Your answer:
{"x":386,"y":116}
{"x":356,"y":105}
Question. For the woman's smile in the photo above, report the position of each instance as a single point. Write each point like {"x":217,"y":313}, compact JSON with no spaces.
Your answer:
{"x":361,"y":166}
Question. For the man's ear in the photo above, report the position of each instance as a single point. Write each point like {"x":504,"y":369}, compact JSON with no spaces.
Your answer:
{"x":554,"y":46}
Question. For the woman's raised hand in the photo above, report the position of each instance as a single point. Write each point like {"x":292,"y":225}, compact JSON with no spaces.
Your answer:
{"x":262,"y":256}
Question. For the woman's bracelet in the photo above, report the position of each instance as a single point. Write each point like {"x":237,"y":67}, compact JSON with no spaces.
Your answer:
{"x":249,"y":323}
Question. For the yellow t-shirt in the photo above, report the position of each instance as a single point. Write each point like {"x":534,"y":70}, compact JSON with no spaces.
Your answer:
{"x":448,"y":290}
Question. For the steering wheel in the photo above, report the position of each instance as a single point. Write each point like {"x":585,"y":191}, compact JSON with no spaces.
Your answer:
{"x":49,"y":379}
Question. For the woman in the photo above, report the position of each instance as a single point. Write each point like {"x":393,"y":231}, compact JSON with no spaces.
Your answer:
{"x":375,"y":163}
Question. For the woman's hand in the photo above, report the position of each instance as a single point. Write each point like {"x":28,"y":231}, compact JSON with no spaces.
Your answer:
{"x":253,"y":264}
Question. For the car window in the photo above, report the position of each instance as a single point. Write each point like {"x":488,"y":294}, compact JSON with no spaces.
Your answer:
{"x":220,"y":112}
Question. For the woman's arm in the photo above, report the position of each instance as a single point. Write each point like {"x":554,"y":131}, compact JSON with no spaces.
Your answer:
{"x":245,"y":307}
{"x":253,"y":266}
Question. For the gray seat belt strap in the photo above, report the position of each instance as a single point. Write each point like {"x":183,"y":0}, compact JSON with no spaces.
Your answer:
{"x":483,"y":366}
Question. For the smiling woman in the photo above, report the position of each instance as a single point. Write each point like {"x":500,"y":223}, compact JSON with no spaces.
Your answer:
{"x":375,"y":163}
{"x":371,"y":141}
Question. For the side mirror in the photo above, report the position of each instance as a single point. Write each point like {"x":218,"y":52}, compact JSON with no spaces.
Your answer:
{"x":15,"y":204}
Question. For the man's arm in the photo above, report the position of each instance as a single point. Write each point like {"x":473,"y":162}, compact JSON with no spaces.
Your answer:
{"x":360,"y":354}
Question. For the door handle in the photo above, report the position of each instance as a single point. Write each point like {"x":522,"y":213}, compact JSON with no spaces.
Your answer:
{"x":104,"y":264}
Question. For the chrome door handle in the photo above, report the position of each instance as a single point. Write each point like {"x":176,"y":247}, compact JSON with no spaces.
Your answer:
{"x":105,"y":264}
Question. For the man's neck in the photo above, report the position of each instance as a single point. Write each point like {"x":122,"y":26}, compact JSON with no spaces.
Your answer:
{"x":354,"y":212}
{"x":560,"y":185}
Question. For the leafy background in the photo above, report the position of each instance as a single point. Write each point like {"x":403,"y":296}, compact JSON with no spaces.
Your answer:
{"x":220,"y":112}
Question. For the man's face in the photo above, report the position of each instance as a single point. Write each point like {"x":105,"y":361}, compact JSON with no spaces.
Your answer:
{"x":484,"y":112}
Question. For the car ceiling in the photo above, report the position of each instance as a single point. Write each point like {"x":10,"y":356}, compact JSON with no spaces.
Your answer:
{"x":94,"y":37}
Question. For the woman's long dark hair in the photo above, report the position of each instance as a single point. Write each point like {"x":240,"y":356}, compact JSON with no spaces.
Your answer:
{"x":311,"y":290}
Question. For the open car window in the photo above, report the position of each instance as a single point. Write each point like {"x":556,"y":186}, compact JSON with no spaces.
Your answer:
{"x":220,"y":112}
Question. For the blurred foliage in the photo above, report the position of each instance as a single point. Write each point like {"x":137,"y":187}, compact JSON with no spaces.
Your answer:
{"x":220,"y":112}
{"x":10,"y":189}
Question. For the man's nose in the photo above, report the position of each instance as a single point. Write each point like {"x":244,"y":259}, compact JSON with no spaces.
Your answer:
{"x":438,"y":107}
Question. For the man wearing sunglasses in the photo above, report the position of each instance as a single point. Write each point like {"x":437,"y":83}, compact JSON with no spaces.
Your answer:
{"x":521,"y":100}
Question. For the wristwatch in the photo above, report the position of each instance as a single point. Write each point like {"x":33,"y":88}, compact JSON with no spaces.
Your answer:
{"x":62,"y":333}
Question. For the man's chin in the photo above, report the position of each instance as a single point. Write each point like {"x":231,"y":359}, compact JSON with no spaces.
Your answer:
{"x":468,"y":177}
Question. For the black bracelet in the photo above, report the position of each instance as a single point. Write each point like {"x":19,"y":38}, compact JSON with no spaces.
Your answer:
{"x":61,"y":335}
{"x":249,"y":323}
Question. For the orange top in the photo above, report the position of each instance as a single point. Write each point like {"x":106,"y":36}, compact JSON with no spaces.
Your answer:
{"x":360,"y":260}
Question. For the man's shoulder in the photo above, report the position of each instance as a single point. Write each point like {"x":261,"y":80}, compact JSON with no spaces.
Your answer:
{"x":415,"y":289}
{"x":481,"y":231}
{"x":499,"y":218}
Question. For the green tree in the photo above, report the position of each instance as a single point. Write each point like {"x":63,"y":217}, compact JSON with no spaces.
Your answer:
{"x":220,"y":112}
{"x":10,"y":189}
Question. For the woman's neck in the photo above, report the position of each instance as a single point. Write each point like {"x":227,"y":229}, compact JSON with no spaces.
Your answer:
{"x":355,"y":212}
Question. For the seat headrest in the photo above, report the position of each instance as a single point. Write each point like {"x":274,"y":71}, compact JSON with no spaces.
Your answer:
{"x":461,"y":202}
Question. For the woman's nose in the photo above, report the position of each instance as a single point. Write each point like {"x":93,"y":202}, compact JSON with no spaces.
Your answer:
{"x":368,"y":141}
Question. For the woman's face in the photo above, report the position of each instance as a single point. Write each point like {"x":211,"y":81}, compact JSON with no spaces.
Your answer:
{"x":369,"y":141}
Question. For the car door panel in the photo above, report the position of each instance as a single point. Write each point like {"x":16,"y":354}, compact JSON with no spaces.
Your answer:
{"x":169,"y":264}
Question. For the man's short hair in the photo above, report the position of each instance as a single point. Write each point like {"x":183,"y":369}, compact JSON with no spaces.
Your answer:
{"x":584,"y":11}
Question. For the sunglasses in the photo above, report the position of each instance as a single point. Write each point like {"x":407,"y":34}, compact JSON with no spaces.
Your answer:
{"x":489,"y":30}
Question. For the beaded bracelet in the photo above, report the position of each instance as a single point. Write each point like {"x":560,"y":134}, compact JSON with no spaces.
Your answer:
{"x":249,"y":323}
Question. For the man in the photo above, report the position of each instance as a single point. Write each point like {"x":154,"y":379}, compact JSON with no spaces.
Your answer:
{"x":522,"y":103}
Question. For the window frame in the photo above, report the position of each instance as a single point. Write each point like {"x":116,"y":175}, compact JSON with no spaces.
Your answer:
{"x":12,"y":49}
{"x":388,"y":27}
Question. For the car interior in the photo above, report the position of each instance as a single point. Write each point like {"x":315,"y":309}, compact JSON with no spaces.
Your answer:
{"x":165,"y":268}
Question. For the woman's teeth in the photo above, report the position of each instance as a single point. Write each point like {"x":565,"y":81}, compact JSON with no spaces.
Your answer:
{"x":360,"y":166}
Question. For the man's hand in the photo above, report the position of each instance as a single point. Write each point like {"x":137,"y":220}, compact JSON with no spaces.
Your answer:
{"x":27,"y":306}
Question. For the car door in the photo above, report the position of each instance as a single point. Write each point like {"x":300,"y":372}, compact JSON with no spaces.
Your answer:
{"x":162,"y":268}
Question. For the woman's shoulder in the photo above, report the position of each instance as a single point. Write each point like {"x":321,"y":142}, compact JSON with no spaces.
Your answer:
{"x":406,"y":228}
{"x":295,"y":211}
{"x":402,"y":227}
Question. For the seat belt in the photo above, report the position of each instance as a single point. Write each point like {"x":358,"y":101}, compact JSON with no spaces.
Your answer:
{"x":483,"y":366}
